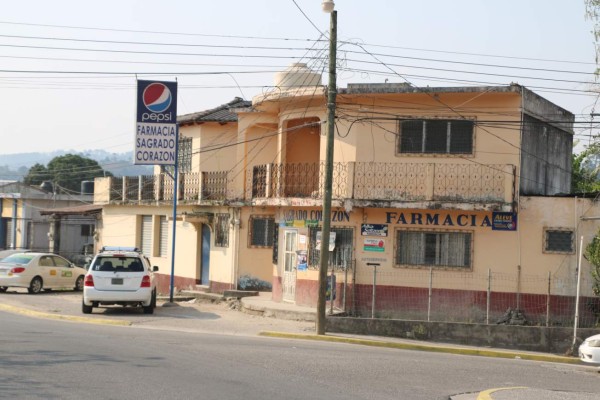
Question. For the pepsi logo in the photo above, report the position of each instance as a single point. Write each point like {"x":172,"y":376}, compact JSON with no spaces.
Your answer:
{"x":157,"y":97}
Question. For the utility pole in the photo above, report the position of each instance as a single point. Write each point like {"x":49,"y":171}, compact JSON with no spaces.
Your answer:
{"x":328,"y":6}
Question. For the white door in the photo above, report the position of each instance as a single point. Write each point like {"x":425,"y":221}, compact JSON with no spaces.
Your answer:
{"x":289,"y":265}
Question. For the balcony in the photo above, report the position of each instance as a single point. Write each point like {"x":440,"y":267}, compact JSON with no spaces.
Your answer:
{"x":369,"y":182}
{"x":365,"y":183}
{"x":147,"y":189}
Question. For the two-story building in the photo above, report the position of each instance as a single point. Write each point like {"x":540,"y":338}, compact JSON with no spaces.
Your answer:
{"x":456,"y":194}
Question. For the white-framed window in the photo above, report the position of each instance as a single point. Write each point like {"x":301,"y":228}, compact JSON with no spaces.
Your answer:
{"x":435,"y":136}
{"x":559,"y":240}
{"x":448,"y":249}
{"x":261,"y":231}
{"x":222,"y":230}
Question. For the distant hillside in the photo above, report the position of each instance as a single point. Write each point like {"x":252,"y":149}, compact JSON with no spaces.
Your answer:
{"x":15,"y":166}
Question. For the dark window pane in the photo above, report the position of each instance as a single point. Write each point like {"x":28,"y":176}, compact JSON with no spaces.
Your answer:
{"x":411,"y":137}
{"x":559,"y":241}
{"x":262,"y":232}
{"x":461,"y":137}
{"x":430,"y":248}
{"x":436,"y":136}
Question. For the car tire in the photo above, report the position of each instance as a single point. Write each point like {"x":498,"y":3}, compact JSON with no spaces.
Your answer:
{"x":86,"y":309}
{"x":150,"y":309}
{"x":3,"y":289}
{"x":79,"y":284}
{"x":36,"y":285}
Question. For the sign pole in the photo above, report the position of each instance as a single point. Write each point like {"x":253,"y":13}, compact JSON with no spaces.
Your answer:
{"x":175,"y":195}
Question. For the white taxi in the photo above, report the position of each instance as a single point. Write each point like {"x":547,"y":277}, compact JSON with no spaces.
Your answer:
{"x":39,"y":271}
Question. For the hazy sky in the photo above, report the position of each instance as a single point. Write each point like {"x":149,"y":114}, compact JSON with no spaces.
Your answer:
{"x":68,"y":68}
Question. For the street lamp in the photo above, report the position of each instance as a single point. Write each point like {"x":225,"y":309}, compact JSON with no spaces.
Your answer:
{"x":328,"y":7}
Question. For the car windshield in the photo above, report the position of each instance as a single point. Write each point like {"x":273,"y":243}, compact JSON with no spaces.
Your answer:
{"x":117,"y":263}
{"x":18,"y":259}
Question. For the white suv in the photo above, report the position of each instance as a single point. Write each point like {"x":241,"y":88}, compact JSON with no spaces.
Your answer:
{"x":121,"y":276}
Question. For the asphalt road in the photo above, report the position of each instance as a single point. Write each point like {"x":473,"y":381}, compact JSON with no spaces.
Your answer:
{"x":48,"y":359}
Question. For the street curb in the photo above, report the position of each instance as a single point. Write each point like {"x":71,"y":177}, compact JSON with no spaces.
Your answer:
{"x":424,"y":347}
{"x":39,"y":314}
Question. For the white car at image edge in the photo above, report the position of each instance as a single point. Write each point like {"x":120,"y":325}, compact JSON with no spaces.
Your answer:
{"x":119,"y":276}
{"x":39,"y":271}
{"x":589,"y":351}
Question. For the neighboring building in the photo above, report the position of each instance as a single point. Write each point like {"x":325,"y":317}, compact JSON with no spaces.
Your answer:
{"x":27,"y":224}
{"x":459,"y":194}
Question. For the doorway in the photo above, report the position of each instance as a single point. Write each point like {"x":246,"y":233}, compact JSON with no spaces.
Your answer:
{"x":289,"y":265}
{"x":205,"y":260}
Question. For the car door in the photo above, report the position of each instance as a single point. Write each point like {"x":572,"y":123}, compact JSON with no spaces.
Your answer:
{"x":65,"y":274}
{"x":47,"y":270}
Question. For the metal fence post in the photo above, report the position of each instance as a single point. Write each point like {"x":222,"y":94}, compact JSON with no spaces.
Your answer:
{"x":430,"y":292}
{"x":548,"y":300}
{"x":374,"y":265}
{"x":489,"y":297}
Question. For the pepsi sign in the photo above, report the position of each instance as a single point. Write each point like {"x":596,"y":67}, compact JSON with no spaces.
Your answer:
{"x":156,"y":123}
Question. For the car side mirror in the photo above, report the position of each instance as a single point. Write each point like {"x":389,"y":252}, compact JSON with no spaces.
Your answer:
{"x":155,"y":269}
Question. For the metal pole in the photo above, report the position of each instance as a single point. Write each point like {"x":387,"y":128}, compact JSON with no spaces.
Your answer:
{"x":345,"y":285}
{"x":332,"y":290}
{"x":577,"y":295}
{"x":518,"y":287}
{"x":430,"y":290}
{"x":374,"y":289}
{"x":548,"y":299}
{"x":489,"y":297}
{"x":331,"y":98}
{"x":175,"y":195}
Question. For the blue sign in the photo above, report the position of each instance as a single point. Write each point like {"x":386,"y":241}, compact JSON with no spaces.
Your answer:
{"x":374,"y":230}
{"x":156,"y":123}
{"x":504,"y":221}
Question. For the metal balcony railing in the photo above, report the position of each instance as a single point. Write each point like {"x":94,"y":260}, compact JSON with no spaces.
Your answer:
{"x":370,"y":181}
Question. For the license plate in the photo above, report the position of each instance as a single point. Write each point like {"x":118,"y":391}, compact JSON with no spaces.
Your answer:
{"x":117,"y":281}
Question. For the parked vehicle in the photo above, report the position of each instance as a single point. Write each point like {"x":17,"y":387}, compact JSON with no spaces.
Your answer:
{"x":589,"y":351}
{"x":119,"y":276}
{"x":38,"y":271}
{"x":10,"y":252}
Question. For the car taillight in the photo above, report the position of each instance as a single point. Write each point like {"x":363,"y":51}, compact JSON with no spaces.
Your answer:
{"x":17,"y":270}
{"x":89,"y":280}
{"x":145,"y":281}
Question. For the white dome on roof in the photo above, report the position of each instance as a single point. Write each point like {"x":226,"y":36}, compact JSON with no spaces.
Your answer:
{"x":297,"y":75}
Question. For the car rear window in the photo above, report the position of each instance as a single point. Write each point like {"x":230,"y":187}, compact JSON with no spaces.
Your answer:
{"x":120,"y":264}
{"x":18,"y":259}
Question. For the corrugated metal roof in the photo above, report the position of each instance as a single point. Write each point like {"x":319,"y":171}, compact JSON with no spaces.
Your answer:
{"x":221,"y":113}
{"x":75,"y":210}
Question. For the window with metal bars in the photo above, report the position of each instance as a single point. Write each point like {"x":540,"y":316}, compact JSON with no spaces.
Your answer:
{"x":184,"y":157}
{"x":341,"y":256}
{"x":435,"y":136}
{"x":262,"y":230}
{"x":222,"y":230}
{"x":559,"y":241}
{"x":433,"y":249}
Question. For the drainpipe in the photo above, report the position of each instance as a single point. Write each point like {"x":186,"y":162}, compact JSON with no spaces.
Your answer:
{"x":236,"y":246}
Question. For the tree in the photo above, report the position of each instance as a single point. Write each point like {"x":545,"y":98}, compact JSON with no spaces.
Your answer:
{"x":585,"y":177}
{"x":66,"y":172}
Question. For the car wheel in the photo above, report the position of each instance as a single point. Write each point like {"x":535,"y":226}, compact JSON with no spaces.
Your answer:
{"x":150,"y":309}
{"x":86,"y":309}
{"x":79,"y":284}
{"x":36,"y":285}
{"x":3,"y":289}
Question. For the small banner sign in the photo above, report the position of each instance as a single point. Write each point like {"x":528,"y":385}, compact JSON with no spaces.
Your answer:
{"x":504,"y":221}
{"x":374,"y":230}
